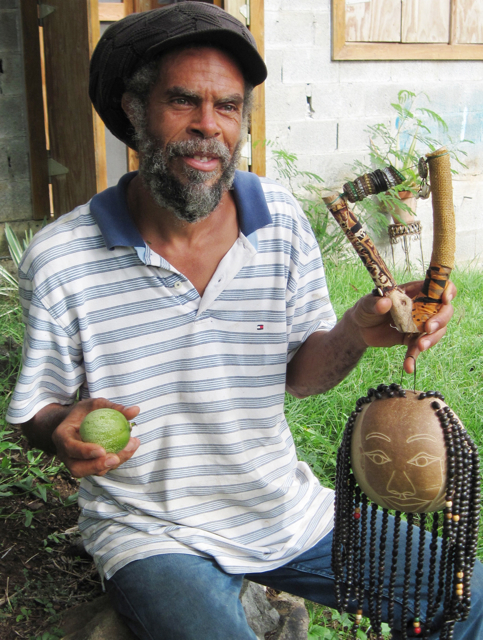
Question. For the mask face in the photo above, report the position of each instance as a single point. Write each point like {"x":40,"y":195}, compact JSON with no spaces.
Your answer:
{"x":398,"y":454}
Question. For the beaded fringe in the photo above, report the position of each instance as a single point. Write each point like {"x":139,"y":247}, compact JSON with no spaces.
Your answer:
{"x":355,"y":525}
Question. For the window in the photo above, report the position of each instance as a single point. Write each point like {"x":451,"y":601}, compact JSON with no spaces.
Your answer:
{"x":407,"y":29}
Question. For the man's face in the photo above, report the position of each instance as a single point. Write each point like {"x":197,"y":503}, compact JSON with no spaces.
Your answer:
{"x":189,"y":146}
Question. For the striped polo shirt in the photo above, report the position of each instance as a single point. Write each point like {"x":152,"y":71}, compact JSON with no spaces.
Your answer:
{"x":216,"y":474}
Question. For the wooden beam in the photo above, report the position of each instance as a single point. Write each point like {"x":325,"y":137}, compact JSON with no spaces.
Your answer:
{"x":99,"y":128}
{"x":146,"y":5}
{"x":39,"y":177}
{"x":128,"y":7}
{"x":397,"y":51}
{"x":71,"y":124}
{"x":132,"y":159}
{"x":338,"y":27}
{"x":111,"y":11}
{"x":258,"y":131}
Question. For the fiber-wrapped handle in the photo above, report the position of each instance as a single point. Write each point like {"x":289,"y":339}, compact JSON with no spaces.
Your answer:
{"x":428,"y":302}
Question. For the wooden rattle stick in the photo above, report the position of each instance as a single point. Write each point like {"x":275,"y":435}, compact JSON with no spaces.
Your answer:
{"x":428,"y":301}
{"x":401,"y":309}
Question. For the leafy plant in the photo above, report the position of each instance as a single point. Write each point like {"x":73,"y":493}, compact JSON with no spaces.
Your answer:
{"x":16,"y":250}
{"x":30,"y":473}
{"x":8,"y":282}
{"x":306,"y":187}
{"x":15,"y":247}
{"x":411,"y":137}
{"x":328,"y":624}
{"x":35,"y":478}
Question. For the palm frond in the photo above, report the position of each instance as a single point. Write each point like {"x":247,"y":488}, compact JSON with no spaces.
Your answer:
{"x":9,"y":279}
{"x":14,"y":246}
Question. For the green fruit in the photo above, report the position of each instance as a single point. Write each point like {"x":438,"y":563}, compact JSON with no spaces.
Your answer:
{"x":107,"y":428}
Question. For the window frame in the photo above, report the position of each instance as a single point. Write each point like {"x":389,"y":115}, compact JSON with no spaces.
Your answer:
{"x":342,"y":50}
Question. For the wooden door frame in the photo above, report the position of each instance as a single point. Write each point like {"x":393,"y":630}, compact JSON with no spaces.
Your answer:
{"x":39,"y":174}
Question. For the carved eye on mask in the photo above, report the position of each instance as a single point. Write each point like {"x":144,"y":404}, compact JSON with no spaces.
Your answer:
{"x":377,"y":457}
{"x":423,"y":459}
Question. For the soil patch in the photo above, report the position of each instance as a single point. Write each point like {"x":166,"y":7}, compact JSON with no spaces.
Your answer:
{"x":43,"y":567}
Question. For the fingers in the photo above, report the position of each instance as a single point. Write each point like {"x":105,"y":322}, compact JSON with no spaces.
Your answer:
{"x":381,"y":306}
{"x":370,"y":314}
{"x":418,"y":344}
{"x":80,"y":468}
{"x":440,"y":320}
{"x":112,"y":461}
{"x":413,"y":288}
{"x":84,"y":458}
{"x":370,"y":309}
{"x":449,"y":292}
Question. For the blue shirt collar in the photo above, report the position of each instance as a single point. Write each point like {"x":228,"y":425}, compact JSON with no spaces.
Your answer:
{"x":110,"y":211}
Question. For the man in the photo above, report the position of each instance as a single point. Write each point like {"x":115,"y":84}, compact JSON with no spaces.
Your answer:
{"x":191,"y":297}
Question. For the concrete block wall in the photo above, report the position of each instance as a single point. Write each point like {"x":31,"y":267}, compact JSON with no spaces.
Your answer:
{"x":15,"y":192}
{"x":318,"y":109}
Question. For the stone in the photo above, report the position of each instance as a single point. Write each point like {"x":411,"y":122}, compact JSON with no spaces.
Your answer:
{"x":96,"y":620}
{"x":261,"y":615}
{"x":294,"y":619}
{"x":272,"y":615}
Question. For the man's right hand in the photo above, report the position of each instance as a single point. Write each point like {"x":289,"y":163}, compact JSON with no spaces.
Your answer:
{"x":84,"y":458}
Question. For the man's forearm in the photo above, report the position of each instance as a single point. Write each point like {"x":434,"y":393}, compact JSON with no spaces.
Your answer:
{"x":39,"y":429}
{"x":325,"y":359}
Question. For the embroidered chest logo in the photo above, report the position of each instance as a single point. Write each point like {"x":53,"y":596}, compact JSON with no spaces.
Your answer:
{"x":260,"y":327}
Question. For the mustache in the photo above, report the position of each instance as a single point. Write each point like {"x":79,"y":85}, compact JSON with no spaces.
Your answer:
{"x":210,"y":147}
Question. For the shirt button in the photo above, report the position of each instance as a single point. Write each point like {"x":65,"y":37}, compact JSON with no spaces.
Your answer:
{"x":177,"y":285}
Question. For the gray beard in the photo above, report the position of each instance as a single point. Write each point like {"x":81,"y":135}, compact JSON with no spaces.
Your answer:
{"x":194,"y":200}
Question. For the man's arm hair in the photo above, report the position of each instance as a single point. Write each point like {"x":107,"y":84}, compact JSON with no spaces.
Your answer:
{"x":324,"y":360}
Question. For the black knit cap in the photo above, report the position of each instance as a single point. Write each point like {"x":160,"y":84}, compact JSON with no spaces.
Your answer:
{"x":131,"y":42}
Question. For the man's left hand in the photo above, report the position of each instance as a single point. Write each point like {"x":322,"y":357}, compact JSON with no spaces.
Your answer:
{"x":372,"y":315}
